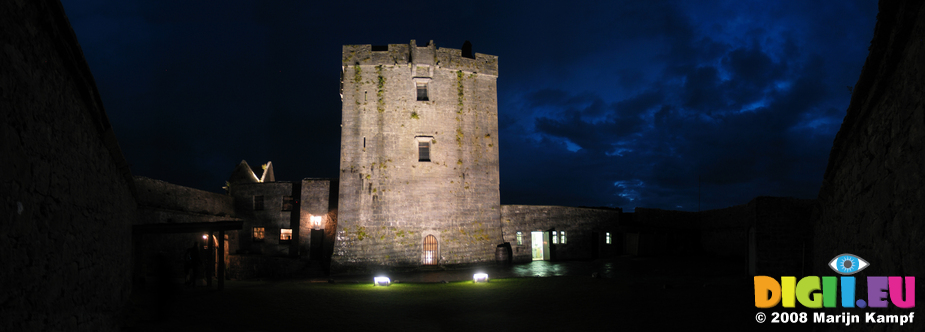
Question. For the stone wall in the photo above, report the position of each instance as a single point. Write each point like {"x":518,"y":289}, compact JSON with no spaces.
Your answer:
{"x":271,"y":217}
{"x":783,"y":236}
{"x":724,"y":232}
{"x":781,"y":240}
{"x":163,"y":202}
{"x":156,"y":195}
{"x":67,"y":196}
{"x":583,"y":226}
{"x":319,"y":198}
{"x":390,"y":200}
{"x":871,"y":200}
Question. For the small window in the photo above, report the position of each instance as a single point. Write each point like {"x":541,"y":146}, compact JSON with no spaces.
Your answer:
{"x":422,"y":91}
{"x":555,"y":237}
{"x":423,"y":151}
{"x":258,"y":203}
{"x":607,"y":237}
{"x":258,"y":234}
{"x":285,"y":235}
{"x":520,"y":238}
{"x":287,"y":203}
{"x":562,"y":237}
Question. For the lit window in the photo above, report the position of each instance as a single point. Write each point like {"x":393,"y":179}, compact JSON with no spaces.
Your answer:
{"x":555,"y":237}
{"x":258,"y":203}
{"x":287,"y":203}
{"x":607,"y":238}
{"x":423,"y":151}
{"x":285,"y":235}
{"x":520,"y":238}
{"x":562,"y":237}
{"x":422,"y":91}
{"x":258,"y":234}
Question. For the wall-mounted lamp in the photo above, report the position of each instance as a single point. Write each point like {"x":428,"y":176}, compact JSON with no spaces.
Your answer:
{"x":316,"y":221}
{"x":381,"y":281}
{"x":480,"y":277}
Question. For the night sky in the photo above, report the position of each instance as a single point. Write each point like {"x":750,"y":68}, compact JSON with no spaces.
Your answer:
{"x":619,"y":104}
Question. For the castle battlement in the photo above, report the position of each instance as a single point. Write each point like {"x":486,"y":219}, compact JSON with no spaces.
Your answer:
{"x":400,"y":54}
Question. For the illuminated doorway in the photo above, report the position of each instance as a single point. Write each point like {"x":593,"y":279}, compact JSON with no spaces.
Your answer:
{"x":538,"y":242}
{"x":430,"y":250}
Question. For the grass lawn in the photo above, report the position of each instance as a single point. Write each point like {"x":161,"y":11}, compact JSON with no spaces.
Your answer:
{"x":640,"y":303}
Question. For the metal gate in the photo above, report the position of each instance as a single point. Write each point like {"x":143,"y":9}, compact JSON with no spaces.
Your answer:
{"x":430,"y":250}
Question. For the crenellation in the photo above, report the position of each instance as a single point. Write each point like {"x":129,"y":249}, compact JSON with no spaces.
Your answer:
{"x":422,"y":61}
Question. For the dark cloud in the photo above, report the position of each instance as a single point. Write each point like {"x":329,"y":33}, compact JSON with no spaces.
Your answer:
{"x":618,"y":104}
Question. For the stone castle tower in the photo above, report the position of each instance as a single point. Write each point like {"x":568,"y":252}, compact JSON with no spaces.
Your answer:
{"x":419,"y":157}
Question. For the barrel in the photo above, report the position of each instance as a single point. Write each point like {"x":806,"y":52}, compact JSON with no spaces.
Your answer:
{"x":503,"y":253}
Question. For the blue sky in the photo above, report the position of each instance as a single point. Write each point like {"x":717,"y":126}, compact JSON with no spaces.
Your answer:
{"x":619,"y":104}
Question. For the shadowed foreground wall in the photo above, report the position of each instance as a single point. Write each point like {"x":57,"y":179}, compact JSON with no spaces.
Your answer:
{"x":871,"y":200}
{"x":67,"y":199}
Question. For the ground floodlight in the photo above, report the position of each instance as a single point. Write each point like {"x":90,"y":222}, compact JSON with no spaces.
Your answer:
{"x":381,"y":281}
{"x":480,"y":277}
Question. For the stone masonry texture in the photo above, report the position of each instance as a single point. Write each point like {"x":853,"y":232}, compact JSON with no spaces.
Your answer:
{"x":871,"y":200}
{"x":389,"y":201}
{"x":66,"y":195}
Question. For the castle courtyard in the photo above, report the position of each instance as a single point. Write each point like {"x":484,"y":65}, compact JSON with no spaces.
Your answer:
{"x":565,"y":296}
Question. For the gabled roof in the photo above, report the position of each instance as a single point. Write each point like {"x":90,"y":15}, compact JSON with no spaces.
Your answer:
{"x":243,"y":174}
{"x":268,"y":175}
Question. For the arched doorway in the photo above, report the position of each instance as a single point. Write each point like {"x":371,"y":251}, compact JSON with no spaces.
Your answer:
{"x":430,"y":250}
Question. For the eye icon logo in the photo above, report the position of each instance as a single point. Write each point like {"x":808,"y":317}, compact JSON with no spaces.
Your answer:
{"x":848,"y":264}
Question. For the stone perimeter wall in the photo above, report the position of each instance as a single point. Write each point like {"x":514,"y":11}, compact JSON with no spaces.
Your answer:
{"x":161,"y":199}
{"x":580,"y":225}
{"x":781,"y":244}
{"x":66,"y":193}
{"x":389,"y":201}
{"x":871,"y":200}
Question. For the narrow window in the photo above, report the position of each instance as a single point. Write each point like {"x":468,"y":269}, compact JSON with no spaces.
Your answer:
{"x":520,"y":238}
{"x":555,"y":238}
{"x":607,"y":238}
{"x":285,"y":235}
{"x":258,"y":234}
{"x":423,"y":151}
{"x":422,"y":91}
{"x":258,"y":203}
{"x":562,"y":237}
{"x":287,"y":203}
